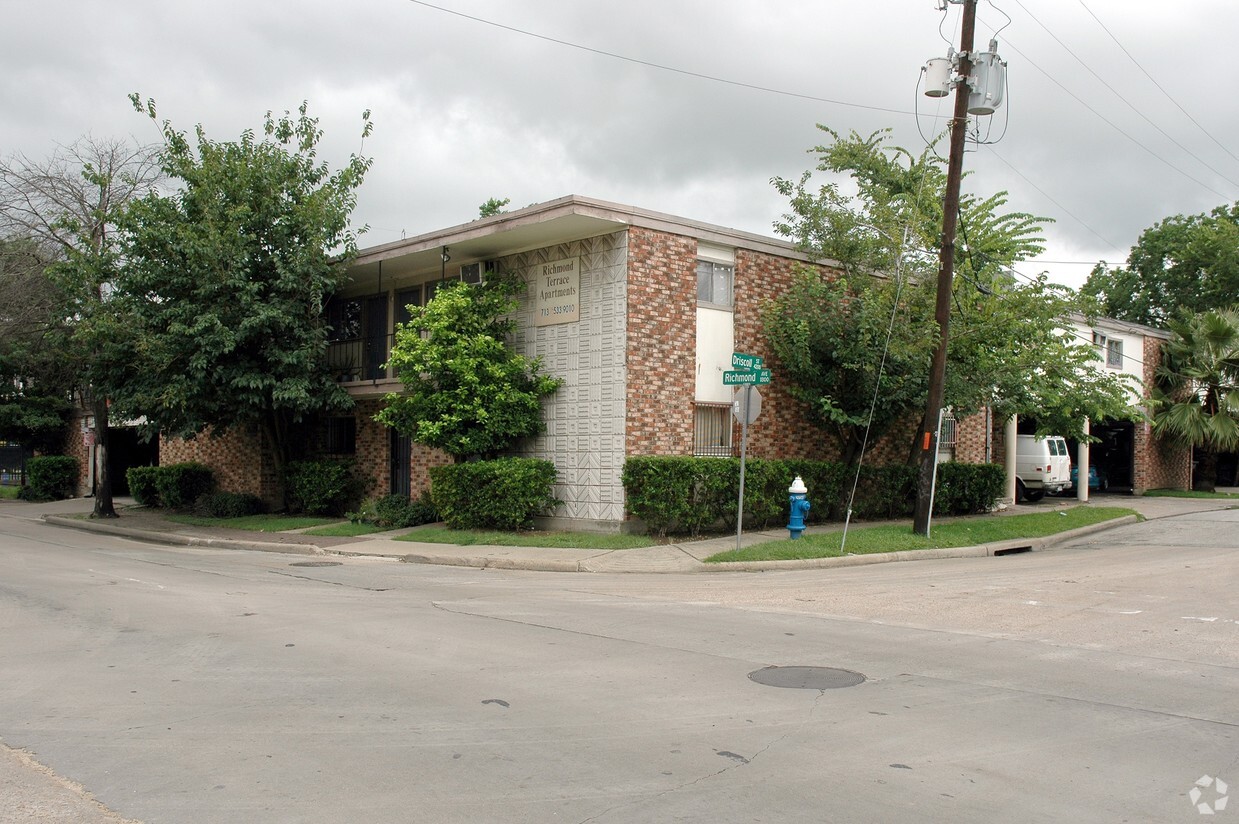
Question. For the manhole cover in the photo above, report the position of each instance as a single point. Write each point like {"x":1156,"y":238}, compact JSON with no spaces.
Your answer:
{"x":807,"y":678}
{"x":316,"y":563}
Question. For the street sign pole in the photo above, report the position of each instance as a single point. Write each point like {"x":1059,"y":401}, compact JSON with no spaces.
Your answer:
{"x":744,"y":442}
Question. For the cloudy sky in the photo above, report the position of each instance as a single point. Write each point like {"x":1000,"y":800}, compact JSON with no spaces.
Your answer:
{"x":1119,"y":112}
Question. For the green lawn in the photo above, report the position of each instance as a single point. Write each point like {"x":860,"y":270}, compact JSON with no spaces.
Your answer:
{"x":347,"y":530}
{"x":1188,"y":493}
{"x":563,"y":540}
{"x":254,"y":523}
{"x":10,"y":492}
{"x":984,"y":529}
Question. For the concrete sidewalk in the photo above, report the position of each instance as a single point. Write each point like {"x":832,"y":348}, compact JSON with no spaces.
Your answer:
{"x":147,"y":525}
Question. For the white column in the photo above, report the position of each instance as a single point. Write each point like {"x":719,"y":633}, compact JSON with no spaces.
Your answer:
{"x":1009,"y":439}
{"x":1082,"y":466}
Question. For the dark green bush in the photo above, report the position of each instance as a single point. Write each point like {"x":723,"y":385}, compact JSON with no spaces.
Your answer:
{"x":321,"y":487}
{"x":180,"y":485}
{"x":670,"y":493}
{"x":50,"y":478}
{"x":968,"y":489}
{"x":228,"y":505}
{"x":143,"y":484}
{"x":397,"y":512}
{"x":686,"y":495}
{"x":507,"y":493}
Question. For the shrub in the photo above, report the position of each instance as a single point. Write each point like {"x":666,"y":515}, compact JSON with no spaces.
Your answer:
{"x":50,"y":478}
{"x":143,"y":484}
{"x":501,"y":494}
{"x":180,"y":485}
{"x":228,"y":505}
{"x":321,"y":487}
{"x":663,"y":491}
{"x":397,"y":512}
{"x":968,"y":489}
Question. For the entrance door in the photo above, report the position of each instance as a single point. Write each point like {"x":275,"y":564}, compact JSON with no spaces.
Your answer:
{"x":376,"y":337}
{"x":401,"y":480}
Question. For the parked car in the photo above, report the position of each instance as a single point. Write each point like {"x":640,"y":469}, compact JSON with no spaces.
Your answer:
{"x":1097,"y":480}
{"x":1041,"y":465}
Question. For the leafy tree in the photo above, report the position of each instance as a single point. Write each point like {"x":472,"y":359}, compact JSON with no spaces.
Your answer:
{"x":493,"y":206}
{"x":1007,"y":348}
{"x":466,"y":391}
{"x":1196,"y":399}
{"x":227,"y":278}
{"x":35,"y":379}
{"x":1182,"y":264}
{"x":69,"y":205}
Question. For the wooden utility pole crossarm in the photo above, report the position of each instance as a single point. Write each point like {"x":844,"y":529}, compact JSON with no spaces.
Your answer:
{"x":946,"y":274}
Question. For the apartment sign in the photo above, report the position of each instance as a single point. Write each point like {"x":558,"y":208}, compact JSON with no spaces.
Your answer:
{"x":557,"y":285}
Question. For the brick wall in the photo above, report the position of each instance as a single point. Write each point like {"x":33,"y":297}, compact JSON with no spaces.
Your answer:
{"x":75,"y":447}
{"x":783,"y":430}
{"x":1158,"y":464}
{"x":240,"y":459}
{"x":661,"y":345}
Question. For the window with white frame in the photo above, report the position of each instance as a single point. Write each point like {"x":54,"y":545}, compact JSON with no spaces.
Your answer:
{"x":1109,"y":349}
{"x":1114,"y":353}
{"x":714,"y":282}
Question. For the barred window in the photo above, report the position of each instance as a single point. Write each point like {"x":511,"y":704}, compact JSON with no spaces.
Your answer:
{"x":712,"y":430}
{"x":342,"y":436}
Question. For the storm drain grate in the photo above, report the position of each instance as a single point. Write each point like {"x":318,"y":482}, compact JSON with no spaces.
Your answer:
{"x":807,"y":678}
{"x":315,"y":563}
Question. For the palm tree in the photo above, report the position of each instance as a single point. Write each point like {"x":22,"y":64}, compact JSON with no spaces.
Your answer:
{"x":1196,"y":396}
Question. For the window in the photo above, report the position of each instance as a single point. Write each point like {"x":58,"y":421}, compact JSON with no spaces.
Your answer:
{"x":712,"y":430}
{"x":714,"y":282}
{"x":1114,"y":354}
{"x":341,"y":436}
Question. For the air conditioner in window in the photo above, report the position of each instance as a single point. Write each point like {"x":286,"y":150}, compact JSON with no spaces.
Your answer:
{"x":476,"y":272}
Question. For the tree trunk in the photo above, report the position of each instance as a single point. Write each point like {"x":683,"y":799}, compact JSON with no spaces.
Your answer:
{"x":103,"y":477}
{"x":1206,"y":471}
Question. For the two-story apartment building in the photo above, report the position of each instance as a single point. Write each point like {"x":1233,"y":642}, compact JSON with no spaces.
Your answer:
{"x":639,"y":313}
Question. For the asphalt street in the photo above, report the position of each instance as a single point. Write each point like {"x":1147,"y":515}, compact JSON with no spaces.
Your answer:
{"x":1095,"y":682}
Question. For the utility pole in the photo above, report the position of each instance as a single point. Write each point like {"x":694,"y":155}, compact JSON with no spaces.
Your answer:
{"x":946,"y":274}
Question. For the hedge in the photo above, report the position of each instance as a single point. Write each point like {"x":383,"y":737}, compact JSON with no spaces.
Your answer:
{"x":321,"y":487}
{"x":396,"y":512}
{"x":144,"y":484}
{"x":50,"y":478}
{"x":687,"y":495}
{"x":507,"y":493}
{"x":180,"y":485}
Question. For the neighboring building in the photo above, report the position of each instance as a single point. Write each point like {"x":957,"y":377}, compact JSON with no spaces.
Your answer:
{"x":638,"y":312}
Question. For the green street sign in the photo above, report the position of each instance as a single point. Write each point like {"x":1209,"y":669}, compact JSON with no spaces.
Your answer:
{"x":739,"y":360}
{"x":756,"y":377}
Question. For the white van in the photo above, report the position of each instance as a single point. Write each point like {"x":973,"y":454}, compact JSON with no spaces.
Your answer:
{"x":1041,"y":465}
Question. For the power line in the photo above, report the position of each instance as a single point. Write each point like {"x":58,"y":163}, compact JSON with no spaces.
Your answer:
{"x":1119,"y":95}
{"x":1153,"y":80}
{"x":660,"y":66}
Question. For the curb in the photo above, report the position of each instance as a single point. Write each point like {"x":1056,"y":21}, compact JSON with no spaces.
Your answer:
{"x":182,"y":540}
{"x":543,"y":565}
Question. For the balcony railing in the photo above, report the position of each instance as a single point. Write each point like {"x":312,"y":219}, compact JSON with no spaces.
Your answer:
{"x":359,"y":359}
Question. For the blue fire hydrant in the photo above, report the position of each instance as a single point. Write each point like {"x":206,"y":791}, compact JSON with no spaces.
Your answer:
{"x":799,"y":505}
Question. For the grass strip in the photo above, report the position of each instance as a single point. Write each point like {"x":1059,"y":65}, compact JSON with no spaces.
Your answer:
{"x":554,"y":540}
{"x":984,"y":529}
{"x":253,"y":523}
{"x":346,"y":530}
{"x":1188,"y":493}
{"x":9,"y":492}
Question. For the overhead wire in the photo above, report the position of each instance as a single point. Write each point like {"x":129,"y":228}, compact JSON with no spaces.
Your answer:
{"x":1120,"y":96}
{"x":1153,"y":80}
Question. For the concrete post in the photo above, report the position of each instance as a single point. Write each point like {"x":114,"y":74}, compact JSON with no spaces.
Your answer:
{"x":1009,"y":445}
{"x":1082,"y":466}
